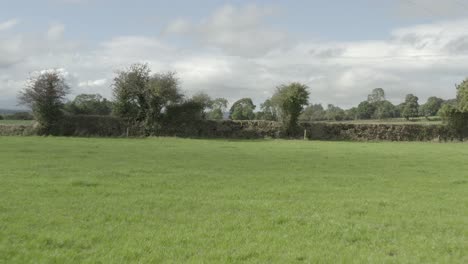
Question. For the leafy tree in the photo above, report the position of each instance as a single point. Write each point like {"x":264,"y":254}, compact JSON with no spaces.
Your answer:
{"x":1,"y":117}
{"x":377,"y":95}
{"x":462,"y":96}
{"x":45,"y":95}
{"x":314,"y":112}
{"x":455,"y":119}
{"x":365,"y":110}
{"x":335,"y":113}
{"x":184,"y":113}
{"x":203,"y":99}
{"x":218,"y":107}
{"x":351,"y":114}
{"x":411,"y":107}
{"x":384,"y":109}
{"x":89,"y":104}
{"x":142,"y":98}
{"x":432,"y":106}
{"x":290,"y":101}
{"x":243,"y":109}
{"x":213,"y":109}
{"x":268,"y":111}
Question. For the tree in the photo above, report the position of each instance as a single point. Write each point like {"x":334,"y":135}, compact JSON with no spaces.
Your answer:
{"x":377,"y":95}
{"x":268,"y":111}
{"x":218,"y":107}
{"x":384,"y":109}
{"x":290,"y":101}
{"x":203,"y":99}
{"x":456,"y":120}
{"x":432,"y":106}
{"x":45,"y":95}
{"x":243,"y":109}
{"x":89,"y":104}
{"x":411,"y":107}
{"x":142,"y":98}
{"x":335,"y":113}
{"x":462,"y":96}
{"x":314,"y":112}
{"x":213,"y":109}
{"x":365,"y":110}
{"x":351,"y":114}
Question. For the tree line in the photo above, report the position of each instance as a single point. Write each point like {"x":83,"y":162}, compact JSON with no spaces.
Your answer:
{"x":153,"y":100}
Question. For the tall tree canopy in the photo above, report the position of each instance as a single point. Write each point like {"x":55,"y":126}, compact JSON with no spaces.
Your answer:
{"x":462,"y":96}
{"x":45,"y":95}
{"x":432,"y":106}
{"x":243,"y":109}
{"x":377,"y":95}
{"x":89,"y":104}
{"x":141,"y":97}
{"x":290,"y":100}
{"x":410,"y":107}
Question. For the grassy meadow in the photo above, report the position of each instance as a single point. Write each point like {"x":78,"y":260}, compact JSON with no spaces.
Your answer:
{"x":167,"y":200}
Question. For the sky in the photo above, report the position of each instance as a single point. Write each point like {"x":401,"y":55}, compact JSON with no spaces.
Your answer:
{"x":235,"y":49}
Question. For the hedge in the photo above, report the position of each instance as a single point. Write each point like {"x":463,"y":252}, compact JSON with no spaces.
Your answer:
{"x":107,"y":126}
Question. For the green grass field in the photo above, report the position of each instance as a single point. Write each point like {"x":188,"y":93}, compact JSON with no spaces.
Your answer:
{"x":76,"y":200}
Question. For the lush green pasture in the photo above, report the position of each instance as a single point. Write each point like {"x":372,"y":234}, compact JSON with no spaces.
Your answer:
{"x":70,"y":200}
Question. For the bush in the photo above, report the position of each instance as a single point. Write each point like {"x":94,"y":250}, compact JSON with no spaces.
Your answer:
{"x":92,"y":126}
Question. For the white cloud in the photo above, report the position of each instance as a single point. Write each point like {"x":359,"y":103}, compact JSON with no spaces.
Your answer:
{"x":433,"y":8}
{"x":8,"y":24}
{"x":235,"y":30}
{"x":93,"y":83}
{"x":55,"y":31}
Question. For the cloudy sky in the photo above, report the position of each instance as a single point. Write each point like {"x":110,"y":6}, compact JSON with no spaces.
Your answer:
{"x":233,"y":49}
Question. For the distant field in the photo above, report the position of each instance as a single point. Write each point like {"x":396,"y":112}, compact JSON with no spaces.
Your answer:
{"x":74,"y":200}
{"x":419,"y":120}
{"x":16,"y":122}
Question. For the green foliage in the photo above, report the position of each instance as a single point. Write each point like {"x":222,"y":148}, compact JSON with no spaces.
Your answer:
{"x":290,"y":100}
{"x":243,"y":109}
{"x":377,"y":95}
{"x":166,"y":200}
{"x":185,"y":113}
{"x":213,"y":108}
{"x":89,"y":104}
{"x":462,"y":96}
{"x":432,"y":106}
{"x":268,"y":111}
{"x":1,"y":117}
{"x":314,"y":112}
{"x":456,"y":120}
{"x":384,"y":110}
{"x":140,"y":98}
{"x":410,"y":107}
{"x":365,"y":110}
{"x":202,"y":99}
{"x":335,"y":113}
{"x":45,"y":95}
